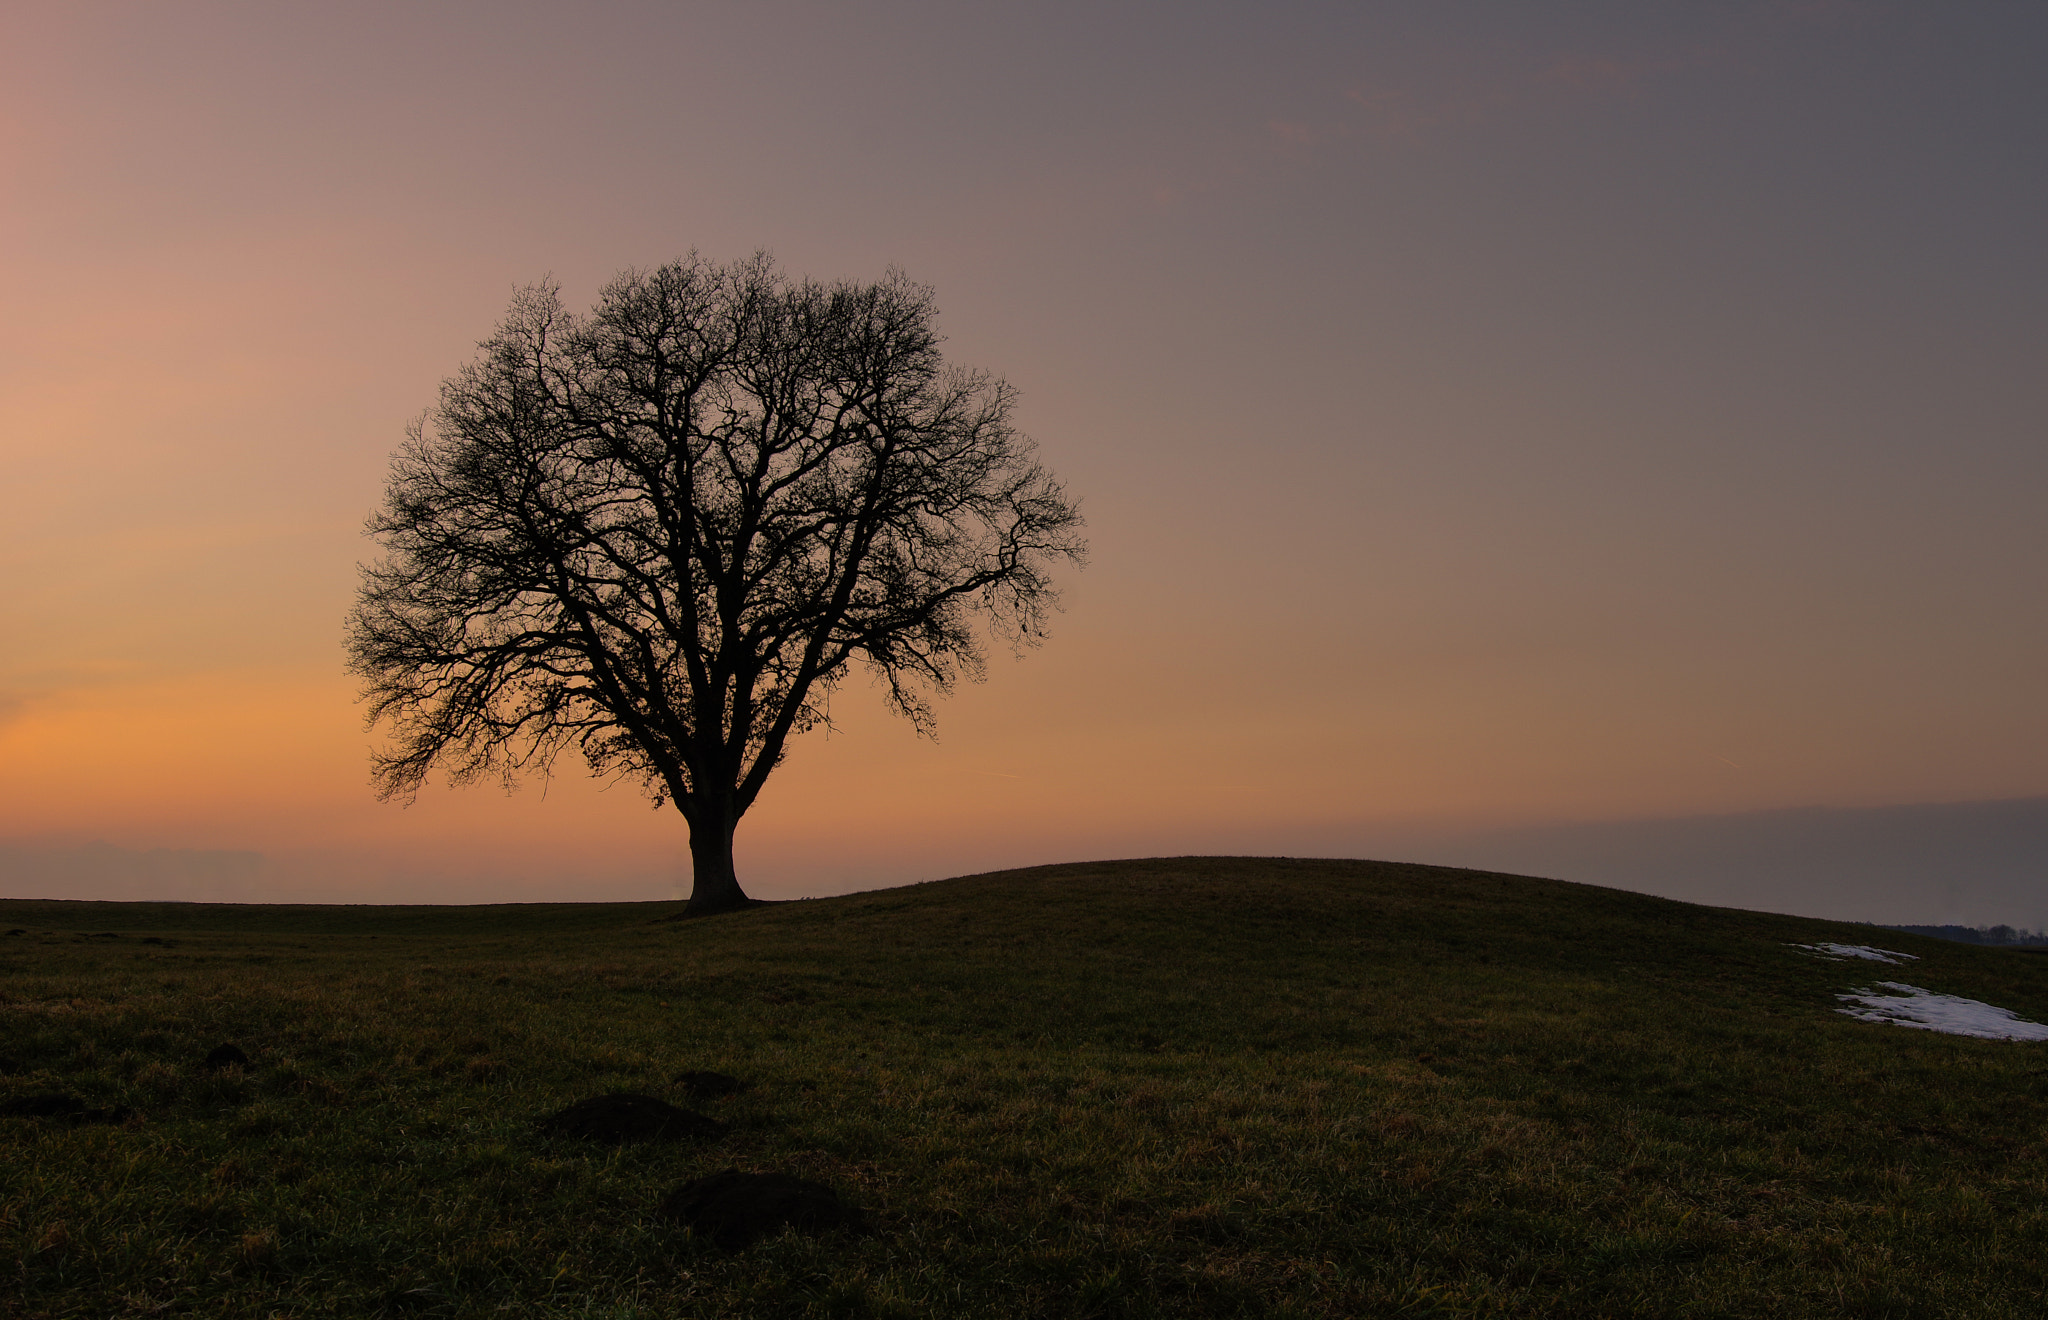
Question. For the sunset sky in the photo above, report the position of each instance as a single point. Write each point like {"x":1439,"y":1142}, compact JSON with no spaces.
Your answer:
{"x":1490,"y":419}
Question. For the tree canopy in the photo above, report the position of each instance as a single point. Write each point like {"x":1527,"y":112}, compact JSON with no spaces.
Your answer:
{"x":660,"y":533}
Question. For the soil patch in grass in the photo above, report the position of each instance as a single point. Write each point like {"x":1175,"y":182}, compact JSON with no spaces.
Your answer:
{"x":710,"y":1085}
{"x":65,"y":1108}
{"x":621,"y":1116}
{"x":228,"y":1055}
{"x":736,"y":1209}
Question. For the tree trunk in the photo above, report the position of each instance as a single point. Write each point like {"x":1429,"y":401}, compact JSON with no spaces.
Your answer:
{"x":714,"y":886}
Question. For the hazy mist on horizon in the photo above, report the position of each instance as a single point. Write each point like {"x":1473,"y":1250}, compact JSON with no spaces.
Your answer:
{"x":1507,"y":434}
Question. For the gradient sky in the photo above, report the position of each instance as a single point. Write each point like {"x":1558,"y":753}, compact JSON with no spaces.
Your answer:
{"x":1487,"y":416}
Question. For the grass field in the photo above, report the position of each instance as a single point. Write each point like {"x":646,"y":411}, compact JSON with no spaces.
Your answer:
{"x":1187,"y":1087}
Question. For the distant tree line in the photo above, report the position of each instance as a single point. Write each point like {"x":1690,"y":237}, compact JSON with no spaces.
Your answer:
{"x":1979,"y":934}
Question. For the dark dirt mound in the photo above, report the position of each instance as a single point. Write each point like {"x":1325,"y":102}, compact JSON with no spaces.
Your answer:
{"x":625,"y":1116}
{"x":734,"y":1209}
{"x":69,"y":1108}
{"x":705,"y":1085}
{"x":226,"y":1056}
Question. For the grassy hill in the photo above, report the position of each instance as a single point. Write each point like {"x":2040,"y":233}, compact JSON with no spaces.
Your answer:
{"x":1188,"y":1087}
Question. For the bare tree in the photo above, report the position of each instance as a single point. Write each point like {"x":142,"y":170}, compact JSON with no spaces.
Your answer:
{"x":661,"y":533}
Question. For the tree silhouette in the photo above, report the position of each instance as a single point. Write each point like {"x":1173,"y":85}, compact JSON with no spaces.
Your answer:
{"x":662,"y":532}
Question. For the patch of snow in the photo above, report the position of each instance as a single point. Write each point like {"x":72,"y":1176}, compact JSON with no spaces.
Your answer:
{"x":1914,"y":1007}
{"x":1838,"y":952}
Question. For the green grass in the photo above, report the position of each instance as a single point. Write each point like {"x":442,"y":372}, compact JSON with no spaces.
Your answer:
{"x":1183,"y":1087}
